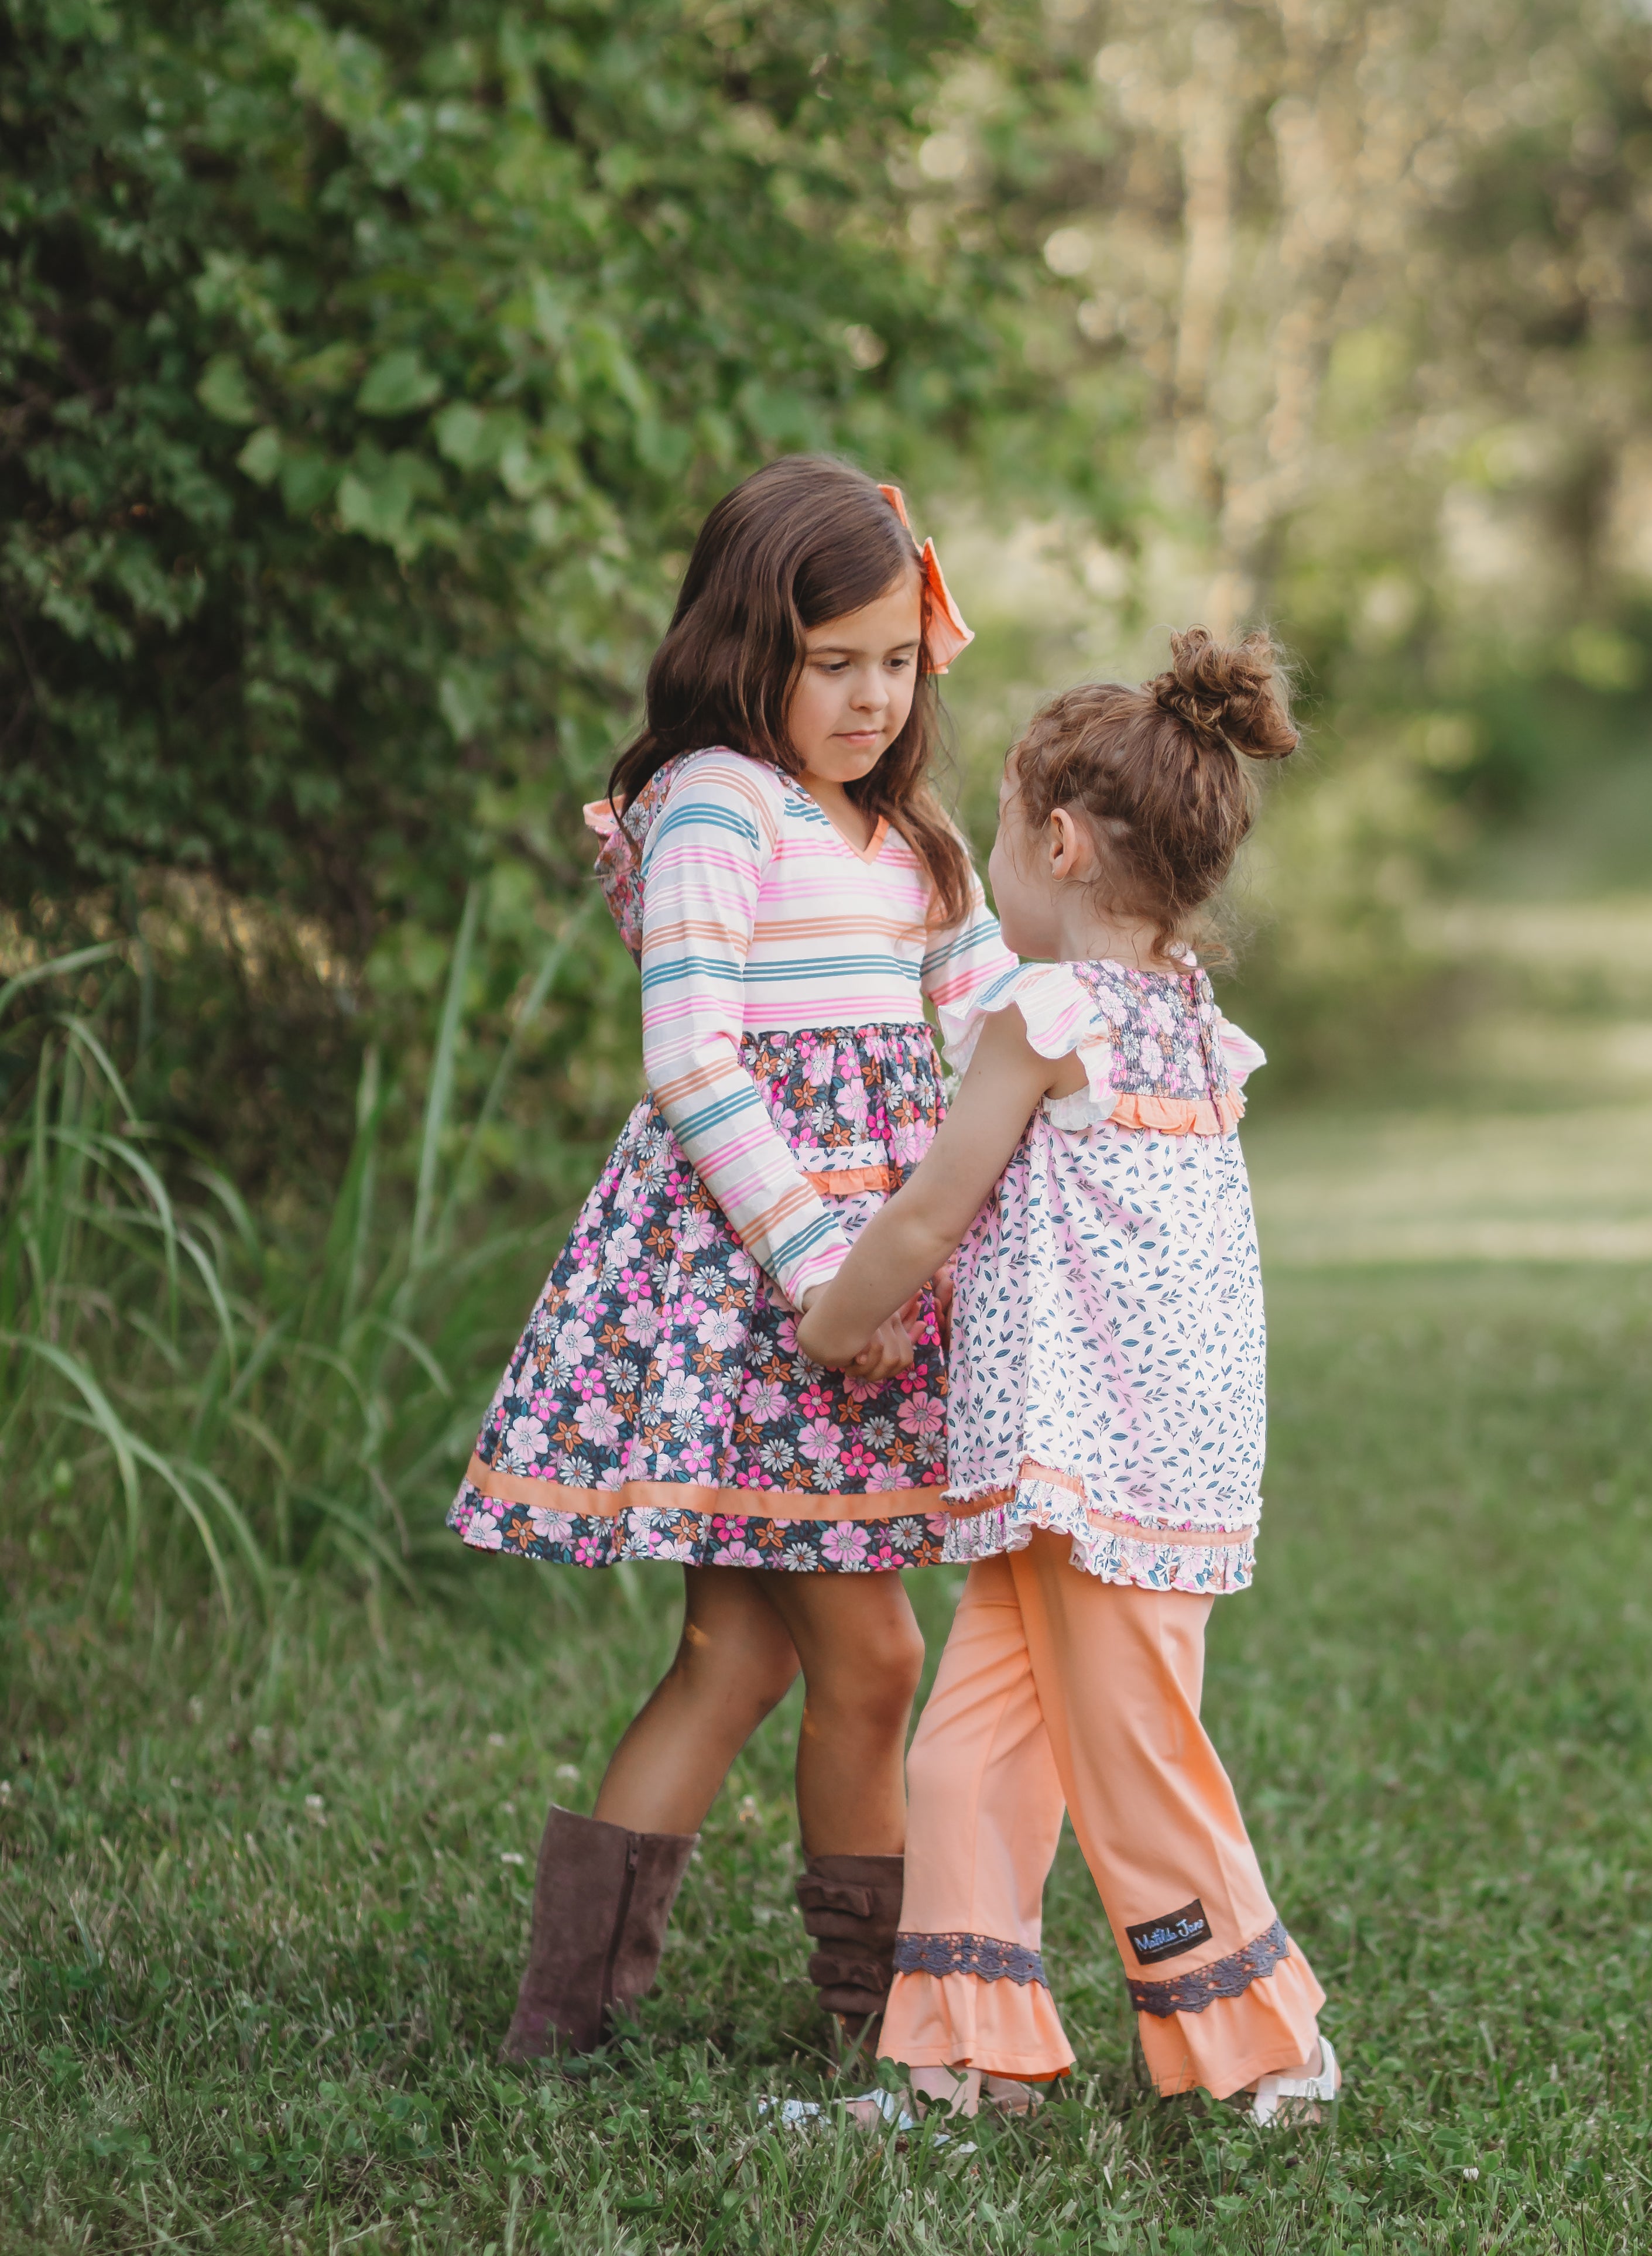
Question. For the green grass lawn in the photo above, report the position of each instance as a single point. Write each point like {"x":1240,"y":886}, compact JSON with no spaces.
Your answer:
{"x":260,"y":1928}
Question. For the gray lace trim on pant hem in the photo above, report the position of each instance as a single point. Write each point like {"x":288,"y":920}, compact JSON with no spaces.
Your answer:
{"x":1227,"y":1977}
{"x":981,"y":1955}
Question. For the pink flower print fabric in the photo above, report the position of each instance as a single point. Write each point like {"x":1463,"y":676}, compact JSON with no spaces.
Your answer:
{"x":619,"y":862}
{"x":657,"y":1406}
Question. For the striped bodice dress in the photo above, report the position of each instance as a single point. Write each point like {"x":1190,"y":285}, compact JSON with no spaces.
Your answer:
{"x":657,"y":1405}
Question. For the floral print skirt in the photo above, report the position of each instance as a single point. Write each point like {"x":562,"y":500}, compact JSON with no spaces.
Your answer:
{"x":657,"y":1406}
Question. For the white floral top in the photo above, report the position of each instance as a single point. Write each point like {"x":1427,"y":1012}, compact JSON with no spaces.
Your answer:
{"x":1107,"y":1367}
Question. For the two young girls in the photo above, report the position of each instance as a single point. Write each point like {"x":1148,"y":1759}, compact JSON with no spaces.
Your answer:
{"x":794,"y":895}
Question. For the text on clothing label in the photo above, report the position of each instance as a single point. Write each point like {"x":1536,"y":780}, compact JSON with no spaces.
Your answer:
{"x":1168,"y":1936}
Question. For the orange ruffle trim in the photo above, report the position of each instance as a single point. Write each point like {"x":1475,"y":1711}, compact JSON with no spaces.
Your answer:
{"x":1271,"y":2026}
{"x":1180,"y":1115}
{"x":1011,"y":2028}
{"x":958,"y":2021}
{"x":1137,"y":1531}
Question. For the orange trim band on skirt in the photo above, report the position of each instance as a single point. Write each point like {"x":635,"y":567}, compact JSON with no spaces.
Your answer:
{"x":688,"y":1496}
{"x":971,"y":1507}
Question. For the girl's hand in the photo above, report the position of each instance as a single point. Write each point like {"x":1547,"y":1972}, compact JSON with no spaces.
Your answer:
{"x":913,"y":1238}
{"x":943,"y":1283}
{"x":876,"y":1359}
{"x":912,"y":1314}
{"x":889,"y":1350}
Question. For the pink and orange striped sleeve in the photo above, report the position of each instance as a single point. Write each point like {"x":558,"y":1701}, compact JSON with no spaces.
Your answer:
{"x":702,"y":868}
{"x":963,"y":959}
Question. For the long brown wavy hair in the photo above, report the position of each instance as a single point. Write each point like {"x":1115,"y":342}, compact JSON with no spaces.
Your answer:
{"x":803,"y":541}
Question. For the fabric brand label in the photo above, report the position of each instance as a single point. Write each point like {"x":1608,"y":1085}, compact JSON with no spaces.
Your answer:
{"x":1168,"y":1937}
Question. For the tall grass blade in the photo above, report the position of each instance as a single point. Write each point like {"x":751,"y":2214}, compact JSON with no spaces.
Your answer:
{"x":231,"y":1406}
{"x":441,"y":1077}
{"x":532,"y":1003}
{"x":179,"y":1487}
{"x":415,"y":1347}
{"x":85,"y":1037}
{"x":79,"y":959}
{"x":101,"y":1415}
{"x":362,"y":1178}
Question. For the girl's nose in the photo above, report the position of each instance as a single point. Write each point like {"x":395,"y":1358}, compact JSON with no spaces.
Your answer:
{"x":870,"y":693}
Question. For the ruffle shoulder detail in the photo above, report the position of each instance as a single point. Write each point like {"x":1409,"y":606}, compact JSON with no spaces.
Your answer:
{"x":752,"y":786}
{"x":750,"y":780}
{"x":1063,"y":1019}
{"x":1240,"y":1054}
{"x":1059,"y":1015}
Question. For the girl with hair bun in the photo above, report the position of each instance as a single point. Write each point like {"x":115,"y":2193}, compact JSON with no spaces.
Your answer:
{"x":1104,"y":1425}
{"x":774,"y":858}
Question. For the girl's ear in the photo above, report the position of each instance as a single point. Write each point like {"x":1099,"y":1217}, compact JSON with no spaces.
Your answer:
{"x":1071,"y":847}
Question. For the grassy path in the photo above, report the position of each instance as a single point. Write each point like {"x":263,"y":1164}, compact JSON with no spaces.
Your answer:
{"x":256,"y":1945}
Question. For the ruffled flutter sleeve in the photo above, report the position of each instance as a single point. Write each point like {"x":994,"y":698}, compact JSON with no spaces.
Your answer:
{"x":1064,"y":1017}
{"x":1061,"y":1017}
{"x":702,"y":868}
{"x":1240,"y":1054}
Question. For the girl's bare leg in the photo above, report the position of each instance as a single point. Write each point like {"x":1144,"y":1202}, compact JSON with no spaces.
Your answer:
{"x":862,"y":1653}
{"x":960,"y":2086}
{"x":735,"y":1662}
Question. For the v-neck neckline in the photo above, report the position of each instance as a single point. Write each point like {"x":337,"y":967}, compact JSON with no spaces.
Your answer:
{"x":873,"y":845}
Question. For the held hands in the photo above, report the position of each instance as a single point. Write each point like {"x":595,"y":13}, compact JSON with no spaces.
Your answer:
{"x":888,"y":1351}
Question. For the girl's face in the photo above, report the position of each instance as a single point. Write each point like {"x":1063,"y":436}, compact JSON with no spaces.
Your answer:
{"x":860,"y":674}
{"x":1023,"y":891}
{"x":1047,"y":889}
{"x":1040,"y":883}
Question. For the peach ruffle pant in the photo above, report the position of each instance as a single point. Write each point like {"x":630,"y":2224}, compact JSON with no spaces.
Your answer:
{"x":1060,"y":1692}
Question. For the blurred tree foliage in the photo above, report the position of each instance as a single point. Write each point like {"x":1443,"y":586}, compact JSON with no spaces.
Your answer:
{"x":363,"y":367}
{"x":1358,"y":300}
{"x":365,"y":371}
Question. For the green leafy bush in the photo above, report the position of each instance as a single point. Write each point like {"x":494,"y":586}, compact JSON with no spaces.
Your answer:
{"x":367,"y":368}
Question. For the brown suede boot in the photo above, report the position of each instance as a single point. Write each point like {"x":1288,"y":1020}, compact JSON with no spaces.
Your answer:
{"x":853,"y":1905}
{"x":602,"y":1897}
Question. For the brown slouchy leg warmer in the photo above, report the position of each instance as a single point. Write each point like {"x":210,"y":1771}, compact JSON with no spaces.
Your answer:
{"x":852,"y":1907}
{"x":602,"y":1898}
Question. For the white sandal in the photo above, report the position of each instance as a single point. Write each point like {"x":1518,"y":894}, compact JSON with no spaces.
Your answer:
{"x":1279,"y":2100}
{"x":794,"y":2114}
{"x":798,"y":2114}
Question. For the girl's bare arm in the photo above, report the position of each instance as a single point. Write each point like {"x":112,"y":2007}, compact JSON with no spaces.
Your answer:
{"x":906,"y":1243}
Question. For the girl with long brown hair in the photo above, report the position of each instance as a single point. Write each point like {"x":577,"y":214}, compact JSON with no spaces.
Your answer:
{"x":793,"y":895}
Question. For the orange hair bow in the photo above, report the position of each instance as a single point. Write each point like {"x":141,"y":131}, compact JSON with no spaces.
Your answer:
{"x":947,"y":634}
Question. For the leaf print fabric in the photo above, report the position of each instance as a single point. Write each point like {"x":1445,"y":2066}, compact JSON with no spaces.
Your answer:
{"x":657,"y":1407}
{"x":1108,"y":1379}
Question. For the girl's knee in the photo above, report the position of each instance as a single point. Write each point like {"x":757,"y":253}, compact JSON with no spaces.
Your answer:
{"x":753,"y":1675}
{"x":768,"y":1685}
{"x":875,"y":1686}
